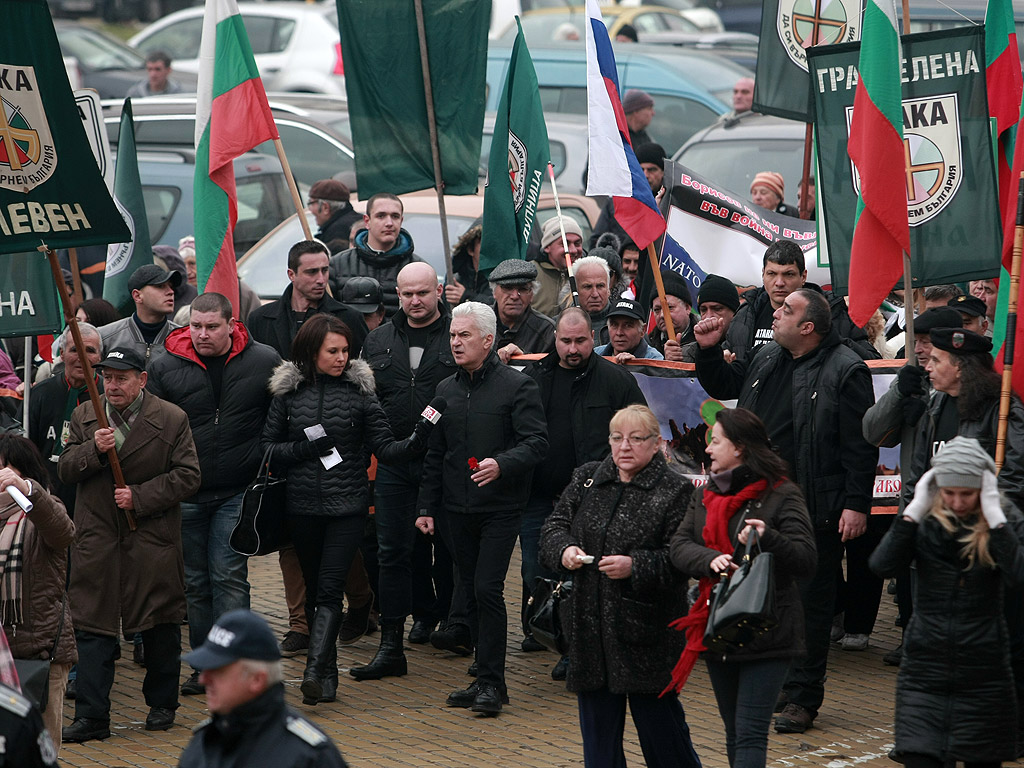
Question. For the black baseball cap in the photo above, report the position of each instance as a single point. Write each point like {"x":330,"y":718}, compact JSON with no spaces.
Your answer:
{"x":122,"y":359}
{"x":362,"y":293}
{"x":969,"y":305}
{"x":151,"y":274}
{"x":238,"y":634}
{"x":626,"y":308}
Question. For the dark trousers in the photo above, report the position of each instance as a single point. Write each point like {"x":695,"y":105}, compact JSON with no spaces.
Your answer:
{"x":482,"y":547}
{"x":746,"y":692}
{"x":326,"y":547}
{"x":858,"y":595}
{"x":433,"y":579}
{"x":806,"y":683}
{"x":660,"y":724}
{"x":96,"y":670}
{"x":537,"y":511}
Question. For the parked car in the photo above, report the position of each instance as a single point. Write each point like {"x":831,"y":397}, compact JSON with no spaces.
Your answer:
{"x":641,"y":14}
{"x":101,"y":62}
{"x":296,"y":45}
{"x":732,"y":152}
{"x":314,"y":150}
{"x":738,"y":47}
{"x":683,"y":84}
{"x":264,"y":266}
{"x":567,"y":139}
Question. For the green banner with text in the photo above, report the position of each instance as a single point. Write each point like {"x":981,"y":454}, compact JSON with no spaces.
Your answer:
{"x":28,"y":297}
{"x":51,"y":190}
{"x":949,"y":176}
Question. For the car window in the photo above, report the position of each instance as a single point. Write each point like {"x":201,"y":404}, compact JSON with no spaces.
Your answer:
{"x":425,"y":229}
{"x":557,"y":149}
{"x":734,"y":163}
{"x":312,"y":155}
{"x":649,"y":22}
{"x":262,"y":205}
{"x":160,"y":204}
{"x":268,"y":34}
{"x":563,"y":99}
{"x":94,"y":51}
{"x":167,"y":129}
{"x":179,"y":40}
{"x":676,"y":119}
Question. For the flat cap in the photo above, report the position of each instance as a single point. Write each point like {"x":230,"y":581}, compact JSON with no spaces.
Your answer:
{"x":329,"y":189}
{"x":514,"y":272}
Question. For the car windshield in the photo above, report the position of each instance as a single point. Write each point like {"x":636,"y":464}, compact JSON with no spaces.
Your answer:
{"x":546,"y":28}
{"x":734,"y":163}
{"x":96,"y":52}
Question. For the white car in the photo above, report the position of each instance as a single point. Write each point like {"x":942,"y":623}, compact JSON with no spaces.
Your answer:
{"x":297,"y":45}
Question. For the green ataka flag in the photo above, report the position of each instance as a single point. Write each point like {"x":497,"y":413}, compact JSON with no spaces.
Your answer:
{"x":51,"y":190}
{"x":28,"y":298}
{"x":517,"y":164}
{"x":125,"y":258}
{"x":387,"y":102}
{"x":788,"y":29}
{"x":949,"y":177}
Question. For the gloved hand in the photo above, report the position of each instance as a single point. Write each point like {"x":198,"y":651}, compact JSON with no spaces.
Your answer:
{"x":417,"y":441}
{"x":322,"y":446}
{"x":991,"y":504}
{"x":924,"y":495}
{"x":913,"y":410}
{"x":910,"y":380}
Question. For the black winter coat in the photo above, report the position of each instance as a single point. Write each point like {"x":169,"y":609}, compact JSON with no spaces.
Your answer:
{"x":226,"y":433}
{"x":832,"y":389}
{"x":955,"y":697}
{"x":335,"y":231}
{"x":382,"y":267}
{"x":495,"y":414}
{"x":262,"y":733}
{"x":272,"y":323}
{"x":403,"y":392}
{"x":619,"y":638}
{"x":351,"y":415}
{"x":741,"y":329}
{"x":788,"y":536}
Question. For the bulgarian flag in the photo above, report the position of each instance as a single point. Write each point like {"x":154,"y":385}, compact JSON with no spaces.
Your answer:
{"x":881,"y":233}
{"x":232,"y":117}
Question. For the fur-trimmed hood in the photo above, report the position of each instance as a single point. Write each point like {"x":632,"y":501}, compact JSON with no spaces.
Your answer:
{"x":287,"y":377}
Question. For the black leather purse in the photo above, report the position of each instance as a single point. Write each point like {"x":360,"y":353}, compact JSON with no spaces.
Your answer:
{"x":544,"y":613}
{"x":743,"y":603}
{"x":34,"y":674}
{"x":261,"y":528}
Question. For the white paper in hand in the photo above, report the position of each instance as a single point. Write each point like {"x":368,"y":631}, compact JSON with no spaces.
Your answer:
{"x":333,"y":458}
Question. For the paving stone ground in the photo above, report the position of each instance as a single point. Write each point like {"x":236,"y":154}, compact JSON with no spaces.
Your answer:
{"x":403,"y":723}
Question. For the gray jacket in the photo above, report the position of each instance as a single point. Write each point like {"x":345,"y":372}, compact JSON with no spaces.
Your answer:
{"x":125,"y":333}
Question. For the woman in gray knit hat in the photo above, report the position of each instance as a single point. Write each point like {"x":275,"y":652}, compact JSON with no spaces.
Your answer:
{"x":955,"y":697}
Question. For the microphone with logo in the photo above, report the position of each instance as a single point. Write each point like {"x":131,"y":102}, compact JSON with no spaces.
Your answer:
{"x":428,"y":418}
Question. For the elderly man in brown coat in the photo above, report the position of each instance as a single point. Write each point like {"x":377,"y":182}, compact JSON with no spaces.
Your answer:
{"x":118,"y":576}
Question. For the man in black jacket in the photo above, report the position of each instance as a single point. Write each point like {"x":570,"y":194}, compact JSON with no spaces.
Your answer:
{"x":409,"y":356}
{"x":218,"y":375}
{"x":521,"y":329}
{"x":380,"y":251}
{"x":811,"y":391}
{"x":330,"y":206}
{"x":784,"y":272}
{"x":580,"y":392}
{"x":476,"y":482}
{"x":53,"y":400}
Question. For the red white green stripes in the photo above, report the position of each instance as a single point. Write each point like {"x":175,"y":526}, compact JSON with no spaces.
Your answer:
{"x":881,"y":232}
{"x":232,"y":117}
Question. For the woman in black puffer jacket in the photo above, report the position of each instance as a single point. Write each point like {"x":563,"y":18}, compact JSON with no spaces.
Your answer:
{"x":327,"y":508}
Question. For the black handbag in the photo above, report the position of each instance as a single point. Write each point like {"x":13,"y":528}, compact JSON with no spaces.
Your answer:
{"x":34,"y":674}
{"x":544,"y":613}
{"x":743,"y":603}
{"x":260,"y":528}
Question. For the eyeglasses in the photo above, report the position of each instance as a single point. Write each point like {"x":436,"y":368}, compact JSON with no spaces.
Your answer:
{"x":635,"y":440}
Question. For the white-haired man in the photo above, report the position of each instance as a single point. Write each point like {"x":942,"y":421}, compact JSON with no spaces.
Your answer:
{"x":593,"y":283}
{"x":493,"y":431}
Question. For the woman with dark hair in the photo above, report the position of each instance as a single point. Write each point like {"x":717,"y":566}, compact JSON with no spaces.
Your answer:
{"x":97,"y":312}
{"x":747,"y":490}
{"x":955,"y":697}
{"x":32,"y":603}
{"x":323,"y":423}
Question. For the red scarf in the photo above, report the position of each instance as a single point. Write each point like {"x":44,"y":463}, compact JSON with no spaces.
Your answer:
{"x":720,"y":509}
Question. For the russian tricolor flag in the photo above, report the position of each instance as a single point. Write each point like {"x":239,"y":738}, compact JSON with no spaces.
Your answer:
{"x":613,"y":169}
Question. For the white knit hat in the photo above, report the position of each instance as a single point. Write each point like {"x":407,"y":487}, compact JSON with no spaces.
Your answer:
{"x":960,"y":463}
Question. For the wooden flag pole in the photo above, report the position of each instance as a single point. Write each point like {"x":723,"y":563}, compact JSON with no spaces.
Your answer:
{"x":1011,"y":330}
{"x":90,"y":382}
{"x":565,"y":243}
{"x":805,"y":204}
{"x":908,"y":282}
{"x":435,"y":151}
{"x":659,"y":283}
{"x":300,"y":209}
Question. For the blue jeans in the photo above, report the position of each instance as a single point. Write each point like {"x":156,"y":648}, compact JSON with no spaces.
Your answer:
{"x":746,"y":692}
{"x":660,"y":725}
{"x":216,"y":577}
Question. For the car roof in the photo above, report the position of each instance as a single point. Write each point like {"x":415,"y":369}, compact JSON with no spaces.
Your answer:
{"x":750,"y":125}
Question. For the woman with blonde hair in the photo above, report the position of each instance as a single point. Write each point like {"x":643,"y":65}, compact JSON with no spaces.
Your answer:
{"x":955,"y":696}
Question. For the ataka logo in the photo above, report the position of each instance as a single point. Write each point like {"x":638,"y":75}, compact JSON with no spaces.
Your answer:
{"x":27,"y":155}
{"x":933,"y":154}
{"x":517,"y":170}
{"x":804,"y":23}
{"x":119,"y":255}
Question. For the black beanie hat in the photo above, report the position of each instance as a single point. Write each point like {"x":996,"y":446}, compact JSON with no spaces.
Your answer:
{"x":651,"y":153}
{"x":720,"y":290}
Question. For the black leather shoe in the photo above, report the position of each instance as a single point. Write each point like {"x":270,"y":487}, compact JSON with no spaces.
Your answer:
{"x":159,"y":719}
{"x":421,"y":631}
{"x":85,"y":729}
{"x":530,"y":645}
{"x":454,"y":638}
{"x":71,"y":692}
{"x":464,"y":698}
{"x":472,"y":669}
{"x":488,"y":700}
{"x":561,"y":669}
{"x":192,"y":686}
{"x":139,"y":654}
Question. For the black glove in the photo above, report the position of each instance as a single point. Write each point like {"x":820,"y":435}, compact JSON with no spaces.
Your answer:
{"x":417,"y":441}
{"x":312,"y":448}
{"x":913,"y":410}
{"x":910,"y":380}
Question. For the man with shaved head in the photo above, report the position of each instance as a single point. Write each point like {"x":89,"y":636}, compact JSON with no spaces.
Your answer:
{"x":410,"y":355}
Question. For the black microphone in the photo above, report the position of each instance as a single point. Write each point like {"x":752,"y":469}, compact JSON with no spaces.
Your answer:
{"x":432,"y":413}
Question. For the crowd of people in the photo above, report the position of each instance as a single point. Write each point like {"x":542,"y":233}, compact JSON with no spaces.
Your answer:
{"x":496,"y":411}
